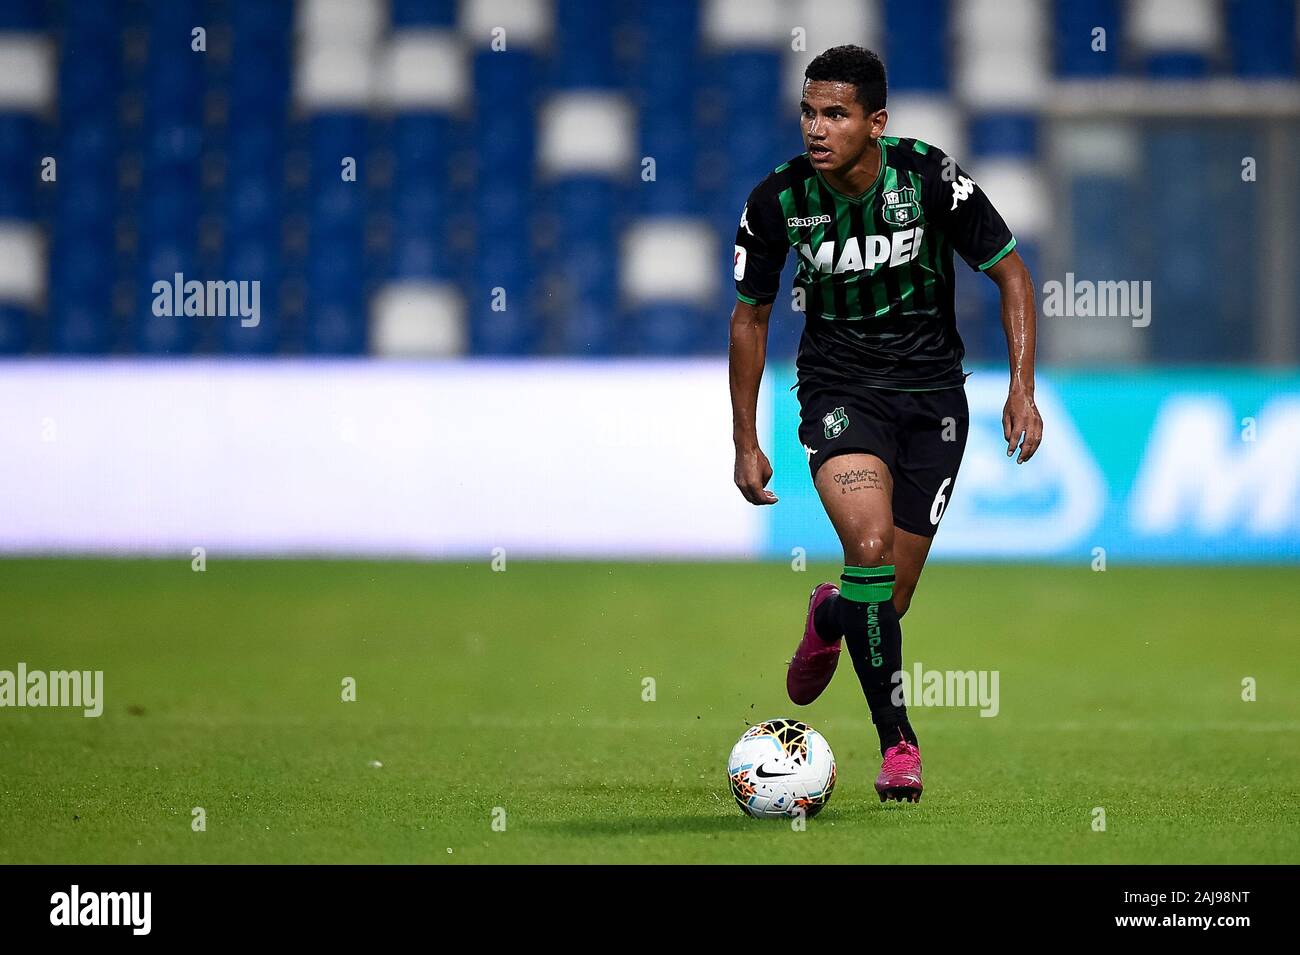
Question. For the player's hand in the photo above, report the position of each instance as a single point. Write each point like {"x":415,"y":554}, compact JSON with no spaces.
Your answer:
{"x":1021,"y":424}
{"x":753,"y":471}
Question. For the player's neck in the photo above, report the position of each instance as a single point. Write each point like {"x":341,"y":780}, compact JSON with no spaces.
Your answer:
{"x":859,"y":177}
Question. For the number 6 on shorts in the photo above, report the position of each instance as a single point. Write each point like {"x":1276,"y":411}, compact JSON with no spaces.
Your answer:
{"x":940,"y":503}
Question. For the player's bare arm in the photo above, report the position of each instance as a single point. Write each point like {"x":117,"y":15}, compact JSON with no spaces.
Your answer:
{"x":1022,"y":425}
{"x":747,"y":354}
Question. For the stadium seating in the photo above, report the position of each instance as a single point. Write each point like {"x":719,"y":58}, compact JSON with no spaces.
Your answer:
{"x":561,"y":177}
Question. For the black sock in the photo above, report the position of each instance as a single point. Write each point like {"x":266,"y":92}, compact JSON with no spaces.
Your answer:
{"x":824,"y":623}
{"x":874,"y":639}
{"x":891,"y":734}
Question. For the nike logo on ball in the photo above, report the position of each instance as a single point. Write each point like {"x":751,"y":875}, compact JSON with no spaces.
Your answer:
{"x":762,"y":775}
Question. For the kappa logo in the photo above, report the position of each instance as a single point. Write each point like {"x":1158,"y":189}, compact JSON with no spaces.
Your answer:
{"x":901,"y":206}
{"x":834,"y":423}
{"x":744,"y":220}
{"x":797,"y":223}
{"x":961,"y":189}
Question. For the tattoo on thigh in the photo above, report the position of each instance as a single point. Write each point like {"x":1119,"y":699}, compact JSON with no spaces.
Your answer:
{"x":858,"y":479}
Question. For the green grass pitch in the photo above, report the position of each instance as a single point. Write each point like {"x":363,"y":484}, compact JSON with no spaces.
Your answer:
{"x":523,"y":690}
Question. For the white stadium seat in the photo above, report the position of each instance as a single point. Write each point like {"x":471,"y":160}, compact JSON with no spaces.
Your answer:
{"x":418,"y":318}
{"x":586,"y":133}
{"x":669,"y":260}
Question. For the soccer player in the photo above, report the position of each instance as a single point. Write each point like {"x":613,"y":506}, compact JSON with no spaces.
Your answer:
{"x":874,"y":220}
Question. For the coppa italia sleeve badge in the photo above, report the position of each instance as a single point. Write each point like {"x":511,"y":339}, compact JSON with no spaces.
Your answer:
{"x":739,"y":263}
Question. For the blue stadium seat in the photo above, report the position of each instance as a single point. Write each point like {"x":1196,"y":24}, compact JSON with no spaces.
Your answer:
{"x":423,"y":13}
{"x":15,"y":329}
{"x":252,"y":205}
{"x":420,"y":205}
{"x":17,"y":142}
{"x":589,"y":27}
{"x":258,"y":23}
{"x":258,"y":86}
{"x":416,"y":255}
{"x":1177,"y":65}
{"x":503,"y":265}
{"x":663,"y":78}
{"x":750,"y":137}
{"x":419,"y":198}
{"x":1073,"y":38}
{"x":336,"y":306}
{"x":421,"y":142}
{"x":172,"y":145}
{"x":502,"y":206}
{"x":151,"y":334}
{"x":1262,"y":38}
{"x":916,"y":45}
{"x":174,"y":84}
{"x":335,"y":328}
{"x":80,"y":325}
{"x":250,"y":258}
{"x":88,"y":68}
{"x":1004,"y":134}
{"x":89,"y":144}
{"x":18,"y":166}
{"x":337,"y":206}
{"x":333,"y":136}
{"x":22,"y":15}
{"x":664,"y":329}
{"x":255,"y":151}
{"x":165,"y":335}
{"x":170,"y":209}
{"x":582,"y":266}
{"x":83,"y":264}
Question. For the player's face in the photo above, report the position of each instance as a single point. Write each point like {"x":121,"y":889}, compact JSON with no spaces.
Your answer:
{"x":837,"y":129}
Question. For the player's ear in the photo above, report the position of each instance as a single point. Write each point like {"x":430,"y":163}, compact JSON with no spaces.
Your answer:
{"x":878,"y":120}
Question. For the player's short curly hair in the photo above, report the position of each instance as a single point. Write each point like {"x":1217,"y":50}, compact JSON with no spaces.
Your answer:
{"x":852,"y":64}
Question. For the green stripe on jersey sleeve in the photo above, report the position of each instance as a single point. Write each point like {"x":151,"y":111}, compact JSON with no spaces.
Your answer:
{"x":998,"y":258}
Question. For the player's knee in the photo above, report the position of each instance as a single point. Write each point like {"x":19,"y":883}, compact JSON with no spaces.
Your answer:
{"x":871,"y":548}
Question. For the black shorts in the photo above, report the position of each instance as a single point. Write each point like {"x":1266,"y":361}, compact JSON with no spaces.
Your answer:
{"x":920,"y":435}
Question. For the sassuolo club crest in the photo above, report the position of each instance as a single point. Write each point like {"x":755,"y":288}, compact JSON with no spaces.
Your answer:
{"x":834,"y":422}
{"x":901,"y":207}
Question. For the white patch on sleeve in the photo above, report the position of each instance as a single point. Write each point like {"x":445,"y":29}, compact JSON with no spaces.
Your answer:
{"x":739,"y":270}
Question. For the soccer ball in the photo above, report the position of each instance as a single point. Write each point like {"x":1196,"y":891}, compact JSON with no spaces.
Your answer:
{"x":781,"y":768}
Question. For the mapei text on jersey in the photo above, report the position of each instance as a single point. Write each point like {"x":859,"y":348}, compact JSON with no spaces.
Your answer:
{"x":897,"y":248}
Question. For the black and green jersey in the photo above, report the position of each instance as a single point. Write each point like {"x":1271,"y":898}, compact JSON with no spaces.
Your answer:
{"x":874,"y":271}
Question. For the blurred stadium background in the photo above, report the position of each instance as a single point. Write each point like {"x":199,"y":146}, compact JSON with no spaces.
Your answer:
{"x":550,"y":188}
